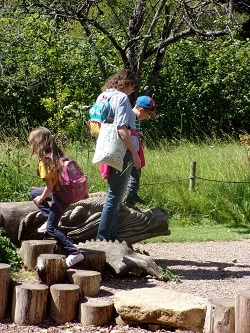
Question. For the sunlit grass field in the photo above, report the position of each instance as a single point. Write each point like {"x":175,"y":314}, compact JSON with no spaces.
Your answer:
{"x":222,"y":187}
{"x":217,"y":208}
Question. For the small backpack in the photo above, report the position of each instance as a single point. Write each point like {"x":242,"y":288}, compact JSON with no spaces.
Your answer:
{"x":100,"y":112}
{"x":73,"y":182}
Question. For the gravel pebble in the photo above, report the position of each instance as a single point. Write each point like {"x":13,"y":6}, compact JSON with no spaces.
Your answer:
{"x":207,"y":269}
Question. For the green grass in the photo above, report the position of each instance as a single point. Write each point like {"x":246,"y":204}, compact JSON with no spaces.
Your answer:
{"x":222,"y":191}
{"x":202,"y":233}
{"x":220,"y":200}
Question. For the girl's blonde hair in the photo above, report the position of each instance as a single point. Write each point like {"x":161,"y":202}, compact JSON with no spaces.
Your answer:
{"x":44,"y":144}
{"x":120,"y":80}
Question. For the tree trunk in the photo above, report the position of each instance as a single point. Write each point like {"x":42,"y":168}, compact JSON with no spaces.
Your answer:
{"x":88,"y":281}
{"x":31,"y":249}
{"x":51,"y":268}
{"x":220,"y":316}
{"x":4,"y":287}
{"x":94,"y":260}
{"x":242,"y":313}
{"x":96,"y":312}
{"x":64,"y":301}
{"x":29,"y":303}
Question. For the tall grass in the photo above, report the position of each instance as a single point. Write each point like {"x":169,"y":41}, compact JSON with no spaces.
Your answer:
{"x":218,"y":198}
{"x":15,"y":178}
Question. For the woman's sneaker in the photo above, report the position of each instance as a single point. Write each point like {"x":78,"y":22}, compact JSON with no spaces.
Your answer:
{"x":42,"y":228}
{"x":73,"y":259}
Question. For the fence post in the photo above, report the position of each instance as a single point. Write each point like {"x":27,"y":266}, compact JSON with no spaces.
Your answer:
{"x":192,"y":176}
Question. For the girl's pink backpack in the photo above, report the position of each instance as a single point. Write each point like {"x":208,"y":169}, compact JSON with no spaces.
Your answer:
{"x":72,"y":180}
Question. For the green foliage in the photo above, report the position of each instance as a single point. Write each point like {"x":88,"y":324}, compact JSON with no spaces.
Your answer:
{"x":168,"y":275}
{"x":203,"y":89}
{"x":50,"y":75}
{"x":38,"y":80}
{"x":8,"y":253}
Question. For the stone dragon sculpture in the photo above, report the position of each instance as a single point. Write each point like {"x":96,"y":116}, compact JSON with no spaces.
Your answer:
{"x":80,"y":222}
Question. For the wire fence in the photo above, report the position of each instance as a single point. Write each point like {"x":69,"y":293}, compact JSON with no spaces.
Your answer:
{"x":192,"y":178}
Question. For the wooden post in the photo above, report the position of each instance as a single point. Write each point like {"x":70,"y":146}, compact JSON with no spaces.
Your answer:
{"x":31,"y":249}
{"x":88,"y":281}
{"x":192,"y":176}
{"x":29,"y":303}
{"x":4,"y":287}
{"x":51,"y":268}
{"x":96,"y":312}
{"x":64,"y":301}
{"x":220,"y":316}
{"x":242,"y":313}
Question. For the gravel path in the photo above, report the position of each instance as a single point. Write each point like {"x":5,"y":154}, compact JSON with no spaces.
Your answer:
{"x":207,"y":269}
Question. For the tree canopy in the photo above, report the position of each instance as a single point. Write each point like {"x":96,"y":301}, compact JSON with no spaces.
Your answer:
{"x":140,"y":31}
{"x":56,"y":55}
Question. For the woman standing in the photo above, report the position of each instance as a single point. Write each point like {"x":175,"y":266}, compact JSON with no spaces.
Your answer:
{"x":119,"y":87}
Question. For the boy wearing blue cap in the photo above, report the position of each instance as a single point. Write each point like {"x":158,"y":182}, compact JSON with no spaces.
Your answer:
{"x":144,"y":108}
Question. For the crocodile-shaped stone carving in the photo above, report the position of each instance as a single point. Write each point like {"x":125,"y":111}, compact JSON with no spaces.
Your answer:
{"x":80,"y":221}
{"x":122,"y":259}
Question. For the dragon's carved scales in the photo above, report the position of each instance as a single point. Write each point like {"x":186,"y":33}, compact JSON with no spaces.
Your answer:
{"x":80,"y":223}
{"x":133,"y":225}
{"x":121,"y":258}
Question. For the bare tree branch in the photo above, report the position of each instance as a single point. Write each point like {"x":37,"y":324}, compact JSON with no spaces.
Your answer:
{"x":144,"y":29}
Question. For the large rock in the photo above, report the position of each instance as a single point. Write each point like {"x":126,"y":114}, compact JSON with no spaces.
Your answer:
{"x":163,"y":307}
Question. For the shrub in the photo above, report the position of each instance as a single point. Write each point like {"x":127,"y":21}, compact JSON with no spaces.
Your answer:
{"x":8,"y":253}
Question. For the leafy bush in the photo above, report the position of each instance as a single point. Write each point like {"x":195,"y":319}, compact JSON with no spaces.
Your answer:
{"x":202,"y":90}
{"x":8,"y":253}
{"x":51,"y":74}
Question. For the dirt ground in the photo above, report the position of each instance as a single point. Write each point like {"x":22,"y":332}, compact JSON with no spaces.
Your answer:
{"x":207,"y":269}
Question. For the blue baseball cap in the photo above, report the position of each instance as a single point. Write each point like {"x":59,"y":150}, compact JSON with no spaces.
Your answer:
{"x":148,"y":104}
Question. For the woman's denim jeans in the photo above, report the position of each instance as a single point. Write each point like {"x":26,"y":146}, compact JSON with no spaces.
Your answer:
{"x":117,"y":183}
{"x":52,"y":208}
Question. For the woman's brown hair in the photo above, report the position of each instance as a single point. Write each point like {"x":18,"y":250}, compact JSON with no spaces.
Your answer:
{"x":120,"y":80}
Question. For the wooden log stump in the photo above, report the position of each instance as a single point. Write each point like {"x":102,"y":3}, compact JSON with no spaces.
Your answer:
{"x":88,"y":281}
{"x":220,"y":316}
{"x":4,"y":287}
{"x":96,"y":312}
{"x":31,"y":249}
{"x":242,"y":313}
{"x":29,"y":302}
{"x":51,"y":268}
{"x":93,"y":260}
{"x":64,"y":302}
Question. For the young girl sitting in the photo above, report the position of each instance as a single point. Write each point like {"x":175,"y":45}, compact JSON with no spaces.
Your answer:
{"x":49,"y":154}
